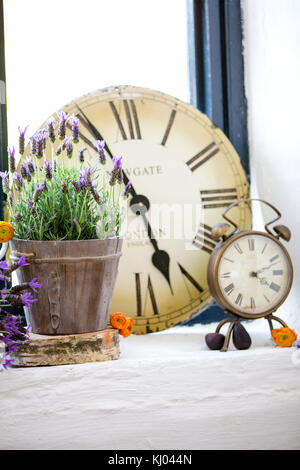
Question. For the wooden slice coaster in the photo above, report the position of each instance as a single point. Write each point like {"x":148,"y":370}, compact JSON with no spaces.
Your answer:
{"x":42,"y":350}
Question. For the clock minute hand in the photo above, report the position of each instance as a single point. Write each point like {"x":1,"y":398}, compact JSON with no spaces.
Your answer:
{"x":160,"y":258}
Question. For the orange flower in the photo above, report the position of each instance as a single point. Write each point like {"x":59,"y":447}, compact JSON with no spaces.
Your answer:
{"x":126,"y":331}
{"x":6,"y":232}
{"x":118,"y":320}
{"x":284,"y":337}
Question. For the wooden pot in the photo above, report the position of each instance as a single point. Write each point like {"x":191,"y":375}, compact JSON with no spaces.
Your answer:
{"x":78,"y":279}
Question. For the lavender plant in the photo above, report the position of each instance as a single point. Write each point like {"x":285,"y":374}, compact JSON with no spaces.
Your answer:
{"x":49,"y":199}
{"x":12,"y":332}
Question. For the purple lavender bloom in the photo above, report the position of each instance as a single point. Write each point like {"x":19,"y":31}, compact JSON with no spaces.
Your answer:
{"x":77,"y":225}
{"x":18,"y":217}
{"x":34,"y":285}
{"x":99,"y":146}
{"x":30,"y":165}
{"x":67,"y":144}
{"x":95,"y":194}
{"x":27,"y":299}
{"x":76,"y":185}
{"x":22,"y":139}
{"x":10,"y":197}
{"x":4,"y":265}
{"x":18,"y":182}
{"x":75,"y":129}
{"x":64,"y":187}
{"x":55,"y":165}
{"x":51,"y":131}
{"x":39,"y":187}
{"x":116,"y":173}
{"x":83,"y":183}
{"x":48,"y":170}
{"x":40,"y":145}
{"x":87,"y":174}
{"x":23,"y":171}
{"x":22,"y":262}
{"x":12,"y":161}
{"x":63,"y":117}
{"x":33,"y":146}
{"x":5,"y":181}
{"x":127,"y":189}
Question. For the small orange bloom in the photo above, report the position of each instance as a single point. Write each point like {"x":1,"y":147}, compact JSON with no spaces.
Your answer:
{"x":284,"y":337}
{"x":118,"y":320}
{"x":126,"y":331}
{"x":6,"y":232}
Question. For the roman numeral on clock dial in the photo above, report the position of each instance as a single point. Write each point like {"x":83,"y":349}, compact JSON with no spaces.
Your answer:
{"x":150,"y":291}
{"x":213,"y":198}
{"x":169,"y":126}
{"x":203,"y":156}
{"x":131,"y":119}
{"x":204,"y":240}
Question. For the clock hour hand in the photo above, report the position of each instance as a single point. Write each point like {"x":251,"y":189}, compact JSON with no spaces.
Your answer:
{"x":139,"y":204}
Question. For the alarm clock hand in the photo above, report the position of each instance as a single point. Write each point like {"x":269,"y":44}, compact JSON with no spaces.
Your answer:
{"x":139,"y":204}
{"x":266,"y":267}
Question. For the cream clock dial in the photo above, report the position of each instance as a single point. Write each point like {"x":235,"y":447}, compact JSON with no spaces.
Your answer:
{"x":174,"y":157}
{"x":254,"y":274}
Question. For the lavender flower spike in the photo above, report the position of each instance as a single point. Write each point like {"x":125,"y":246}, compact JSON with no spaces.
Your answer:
{"x":116,"y":171}
{"x":51,"y":131}
{"x":22,"y":139}
{"x":63,"y":117}
{"x":30,"y":165}
{"x":67,"y":144}
{"x":99,"y":146}
{"x":33,"y":145}
{"x":48,"y":170}
{"x":18,"y":182}
{"x":64,"y":187}
{"x":127,"y":189}
{"x":5,"y":181}
{"x":75,"y":129}
{"x":12,"y":161}
{"x":40,"y":145}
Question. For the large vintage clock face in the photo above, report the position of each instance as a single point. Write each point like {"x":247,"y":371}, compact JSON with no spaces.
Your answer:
{"x":176,"y":159}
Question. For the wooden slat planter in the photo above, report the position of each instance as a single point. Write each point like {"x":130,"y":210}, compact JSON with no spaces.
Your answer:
{"x":42,"y":350}
{"x":77,"y":277}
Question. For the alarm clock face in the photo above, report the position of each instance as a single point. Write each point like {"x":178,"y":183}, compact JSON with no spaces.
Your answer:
{"x":184,"y":172}
{"x":254,"y":274}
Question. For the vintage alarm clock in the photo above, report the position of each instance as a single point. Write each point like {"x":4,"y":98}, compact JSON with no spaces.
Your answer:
{"x":249,"y":274}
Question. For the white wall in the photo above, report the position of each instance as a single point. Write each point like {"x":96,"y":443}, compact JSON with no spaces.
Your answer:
{"x":272,"y":77}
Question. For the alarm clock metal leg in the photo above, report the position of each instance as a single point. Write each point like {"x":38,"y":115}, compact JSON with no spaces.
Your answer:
{"x":272,"y":317}
{"x":227,"y":337}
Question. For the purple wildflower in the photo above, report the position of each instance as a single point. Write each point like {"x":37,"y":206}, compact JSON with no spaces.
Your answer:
{"x":75,"y":129}
{"x":5,"y":181}
{"x":48,"y":170}
{"x":10,"y":197}
{"x":127,"y":189}
{"x":51,"y":131}
{"x":67,"y":144}
{"x":18,"y":217}
{"x":39,"y":187}
{"x":76,"y":185}
{"x":87,"y":174}
{"x":22,"y":139}
{"x":40,"y":145}
{"x":58,"y":150}
{"x":99,"y":145}
{"x":64,"y":187}
{"x":95,"y":194}
{"x":23,"y":171}
{"x":4,"y":265}
{"x":30,"y":165}
{"x":33,"y":145}
{"x":55,"y":165}
{"x":34,"y":285}
{"x":116,"y":171}
{"x":18,"y":182}
{"x":63,"y":117}
{"x":12,"y":161}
